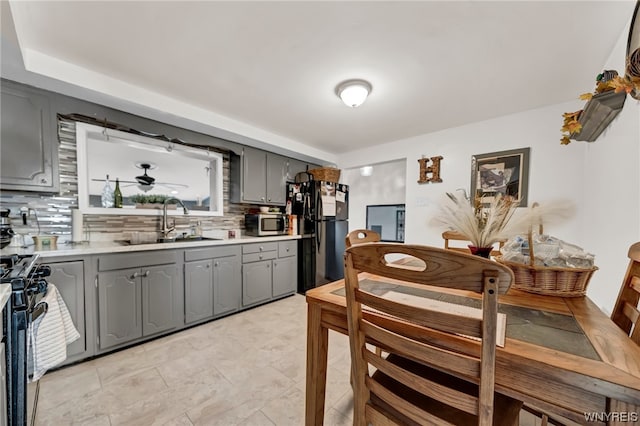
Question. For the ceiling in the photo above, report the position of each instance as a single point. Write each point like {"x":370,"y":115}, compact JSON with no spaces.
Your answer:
{"x":274,"y":66}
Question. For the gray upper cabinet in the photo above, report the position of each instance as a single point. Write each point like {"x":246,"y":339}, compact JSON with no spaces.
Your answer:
{"x":254,"y":171}
{"x":297,"y":166}
{"x":29,"y":147}
{"x":258,"y":177}
{"x":276,"y":178}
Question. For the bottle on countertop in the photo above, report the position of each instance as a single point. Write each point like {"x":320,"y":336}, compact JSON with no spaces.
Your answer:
{"x":107,"y":194}
{"x":117,"y":196}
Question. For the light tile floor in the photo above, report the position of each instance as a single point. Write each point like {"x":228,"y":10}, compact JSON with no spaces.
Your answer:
{"x":246,"y":369}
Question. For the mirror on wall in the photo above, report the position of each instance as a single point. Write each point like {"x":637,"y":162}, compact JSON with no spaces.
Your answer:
{"x":148,"y":171}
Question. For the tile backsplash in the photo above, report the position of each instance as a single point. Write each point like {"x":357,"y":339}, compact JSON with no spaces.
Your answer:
{"x":50,"y":214}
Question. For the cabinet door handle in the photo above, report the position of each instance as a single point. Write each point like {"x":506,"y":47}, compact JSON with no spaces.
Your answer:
{"x":208,"y":265}
{"x":135,"y":275}
{"x":216,"y":264}
{"x":146,"y":273}
{"x":268,"y":266}
{"x":260,"y":257}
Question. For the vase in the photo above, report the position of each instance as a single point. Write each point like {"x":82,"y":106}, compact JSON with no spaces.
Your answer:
{"x":481,"y":251}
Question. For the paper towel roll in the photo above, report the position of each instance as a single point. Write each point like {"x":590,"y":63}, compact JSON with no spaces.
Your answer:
{"x":77,"y":226}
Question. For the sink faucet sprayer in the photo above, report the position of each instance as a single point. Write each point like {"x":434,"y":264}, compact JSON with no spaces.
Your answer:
{"x":165,"y":223}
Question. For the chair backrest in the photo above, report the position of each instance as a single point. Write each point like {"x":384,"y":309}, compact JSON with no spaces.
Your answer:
{"x":360,"y":236}
{"x":419,"y":334}
{"x":625,"y":313}
{"x":454,"y":236}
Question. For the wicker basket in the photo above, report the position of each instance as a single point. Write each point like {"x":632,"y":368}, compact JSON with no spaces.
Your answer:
{"x":328,"y":174}
{"x":550,"y":281}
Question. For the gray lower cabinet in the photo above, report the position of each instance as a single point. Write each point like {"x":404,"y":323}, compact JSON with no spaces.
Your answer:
{"x":198,"y":291}
{"x":143,"y":299}
{"x":212,"y":282}
{"x":269,"y":270}
{"x":161,"y":299}
{"x":29,"y":148}
{"x":227,"y":284}
{"x":68,"y":277}
{"x":256,"y":282}
{"x":285,"y":269}
{"x":119,"y":307}
{"x":285,"y":276}
{"x":4,"y":416}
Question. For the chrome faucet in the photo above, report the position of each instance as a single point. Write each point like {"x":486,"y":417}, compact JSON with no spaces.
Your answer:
{"x":165,"y":223}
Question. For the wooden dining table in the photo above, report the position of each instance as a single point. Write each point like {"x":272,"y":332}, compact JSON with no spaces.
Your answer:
{"x":563,"y":355}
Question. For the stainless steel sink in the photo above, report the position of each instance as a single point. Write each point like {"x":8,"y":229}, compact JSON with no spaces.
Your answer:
{"x":171,"y":240}
{"x":186,"y":239}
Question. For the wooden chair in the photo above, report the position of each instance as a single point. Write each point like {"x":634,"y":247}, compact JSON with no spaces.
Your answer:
{"x":420,"y":382}
{"x":454,"y":236}
{"x":625,"y":313}
{"x":360,"y":236}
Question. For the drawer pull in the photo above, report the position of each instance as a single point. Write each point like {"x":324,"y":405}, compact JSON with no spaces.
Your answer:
{"x":146,"y":273}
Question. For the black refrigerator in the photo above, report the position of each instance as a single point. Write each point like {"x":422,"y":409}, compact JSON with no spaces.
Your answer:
{"x":322,"y":209}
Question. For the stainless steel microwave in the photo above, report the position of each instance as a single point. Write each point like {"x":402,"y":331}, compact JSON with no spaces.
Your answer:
{"x":265,"y":224}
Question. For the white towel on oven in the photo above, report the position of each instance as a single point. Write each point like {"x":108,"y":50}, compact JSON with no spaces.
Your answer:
{"x":49,"y":335}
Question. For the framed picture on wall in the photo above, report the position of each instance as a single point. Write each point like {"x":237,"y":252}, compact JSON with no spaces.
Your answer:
{"x":504,"y":172}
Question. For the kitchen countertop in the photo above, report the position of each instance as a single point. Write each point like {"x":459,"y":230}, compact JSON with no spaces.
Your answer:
{"x":103,"y":247}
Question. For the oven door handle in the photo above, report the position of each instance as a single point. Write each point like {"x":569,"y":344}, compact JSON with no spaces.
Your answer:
{"x":39,"y":309}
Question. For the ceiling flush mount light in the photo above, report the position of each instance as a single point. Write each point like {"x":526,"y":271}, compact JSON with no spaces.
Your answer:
{"x":353,"y":92}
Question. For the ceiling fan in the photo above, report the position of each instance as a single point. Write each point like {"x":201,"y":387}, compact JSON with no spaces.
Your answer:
{"x":145,"y":182}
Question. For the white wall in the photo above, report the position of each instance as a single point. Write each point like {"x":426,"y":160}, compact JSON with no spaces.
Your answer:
{"x":386,"y":185}
{"x":601,"y":178}
{"x":612,"y":193}
{"x":556,"y":172}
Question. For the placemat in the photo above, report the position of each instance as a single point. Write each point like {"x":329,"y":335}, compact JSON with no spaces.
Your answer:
{"x":542,"y":328}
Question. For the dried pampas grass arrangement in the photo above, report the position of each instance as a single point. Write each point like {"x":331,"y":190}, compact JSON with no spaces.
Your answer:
{"x":483,"y":222}
{"x":550,"y":212}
